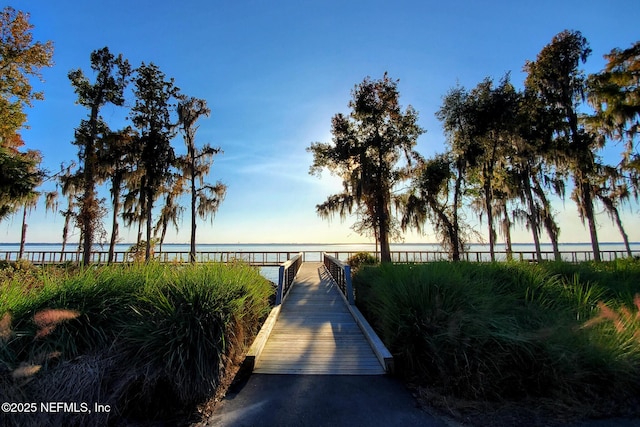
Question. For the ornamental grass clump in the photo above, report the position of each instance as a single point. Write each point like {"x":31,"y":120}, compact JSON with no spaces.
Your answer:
{"x":508,"y":330}
{"x":184,"y":328}
{"x":153,"y":339}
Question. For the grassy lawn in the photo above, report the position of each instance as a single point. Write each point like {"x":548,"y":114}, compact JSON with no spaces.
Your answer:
{"x":144,"y":339}
{"x":507,"y":332}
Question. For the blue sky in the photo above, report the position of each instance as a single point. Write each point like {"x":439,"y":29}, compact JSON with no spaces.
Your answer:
{"x":275,"y":72}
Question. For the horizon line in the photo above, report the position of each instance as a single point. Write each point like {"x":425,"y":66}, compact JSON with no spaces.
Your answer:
{"x":324,"y":244}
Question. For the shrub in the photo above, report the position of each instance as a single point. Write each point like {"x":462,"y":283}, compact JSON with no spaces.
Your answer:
{"x":183,"y":328}
{"x":158,"y":335}
{"x":503,"y":331}
{"x":360,"y":259}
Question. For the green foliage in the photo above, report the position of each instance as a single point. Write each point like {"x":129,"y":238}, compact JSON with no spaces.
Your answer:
{"x":614,"y":94}
{"x":183,"y":327}
{"x":555,"y":80}
{"x":196,"y":164}
{"x":20,"y":59}
{"x":504,"y":331}
{"x":19,"y":176}
{"x":151,"y":115}
{"x":112,"y":75}
{"x":366,"y":151}
{"x":137,"y":252}
{"x":162,"y":334}
{"x":361,"y":259}
{"x":428,"y":200}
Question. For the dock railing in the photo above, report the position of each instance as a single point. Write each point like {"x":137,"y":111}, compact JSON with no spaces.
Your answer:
{"x":341,"y":273}
{"x":286,"y":274}
{"x":276,"y":258}
{"x":263,"y":259}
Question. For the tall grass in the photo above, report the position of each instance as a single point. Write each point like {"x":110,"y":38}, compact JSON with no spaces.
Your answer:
{"x":183,"y":328}
{"x":160,"y":334}
{"x":510,"y":330}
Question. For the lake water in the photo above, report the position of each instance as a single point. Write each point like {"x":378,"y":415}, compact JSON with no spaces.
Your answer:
{"x":313,"y":252}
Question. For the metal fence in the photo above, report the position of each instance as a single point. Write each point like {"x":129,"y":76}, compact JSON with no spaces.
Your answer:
{"x":341,"y":273}
{"x":275,"y":259}
{"x":286,"y":274}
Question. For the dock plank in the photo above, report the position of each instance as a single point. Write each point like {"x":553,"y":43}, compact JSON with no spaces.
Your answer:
{"x":315,"y":333}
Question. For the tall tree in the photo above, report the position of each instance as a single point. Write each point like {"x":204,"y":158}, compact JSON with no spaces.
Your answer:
{"x":20,"y":59}
{"x":612,"y":191}
{"x":463,"y":151}
{"x":367,"y":148}
{"x":205,"y":198}
{"x":67,"y":182}
{"x":132,"y":205}
{"x":19,"y":176}
{"x":490,"y":113}
{"x":30,"y":201}
{"x":111,"y":76}
{"x":172,"y":210}
{"x":532,"y":158}
{"x":428,"y":200}
{"x":556,"y":79}
{"x":615,"y":95}
{"x":151,"y":115}
{"x":116,"y":158}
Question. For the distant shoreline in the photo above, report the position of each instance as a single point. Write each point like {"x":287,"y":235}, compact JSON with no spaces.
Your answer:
{"x":319,"y":244}
{"x":72,"y":246}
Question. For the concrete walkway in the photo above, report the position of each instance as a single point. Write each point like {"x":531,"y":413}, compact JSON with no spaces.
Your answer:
{"x":320,"y":400}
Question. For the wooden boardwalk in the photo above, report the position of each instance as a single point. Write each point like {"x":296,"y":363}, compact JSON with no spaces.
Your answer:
{"x":315,"y":332}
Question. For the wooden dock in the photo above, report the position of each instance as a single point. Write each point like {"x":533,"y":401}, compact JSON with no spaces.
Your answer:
{"x":315,"y":332}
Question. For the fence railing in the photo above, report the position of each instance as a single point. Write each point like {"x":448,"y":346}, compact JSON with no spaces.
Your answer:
{"x":275,"y":259}
{"x":263,"y":259}
{"x":341,"y":273}
{"x":485,"y":256}
{"x":286,"y":274}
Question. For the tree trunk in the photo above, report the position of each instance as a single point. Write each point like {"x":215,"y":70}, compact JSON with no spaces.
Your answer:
{"x":591,"y":220}
{"x":506,"y":231}
{"x":385,"y":250}
{"x":615,"y":216}
{"x":448,"y":225}
{"x":552,"y":232}
{"x":533,"y":217}
{"x":114,"y":237}
{"x":87,"y":212}
{"x":23,"y":236}
{"x":549,"y":224}
{"x":375,"y":233}
{"x":142,"y":203}
{"x":383,"y":224}
{"x":194,"y":200}
{"x":623,"y":233}
{"x":162,"y":236}
{"x":65,"y":229}
{"x":89,"y":208}
{"x":487,"y":172}
{"x":582,"y":181}
{"x":115,"y":226}
{"x":455,"y":255}
{"x":149,"y":207}
{"x":488,"y":200}
{"x":192,"y":249}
